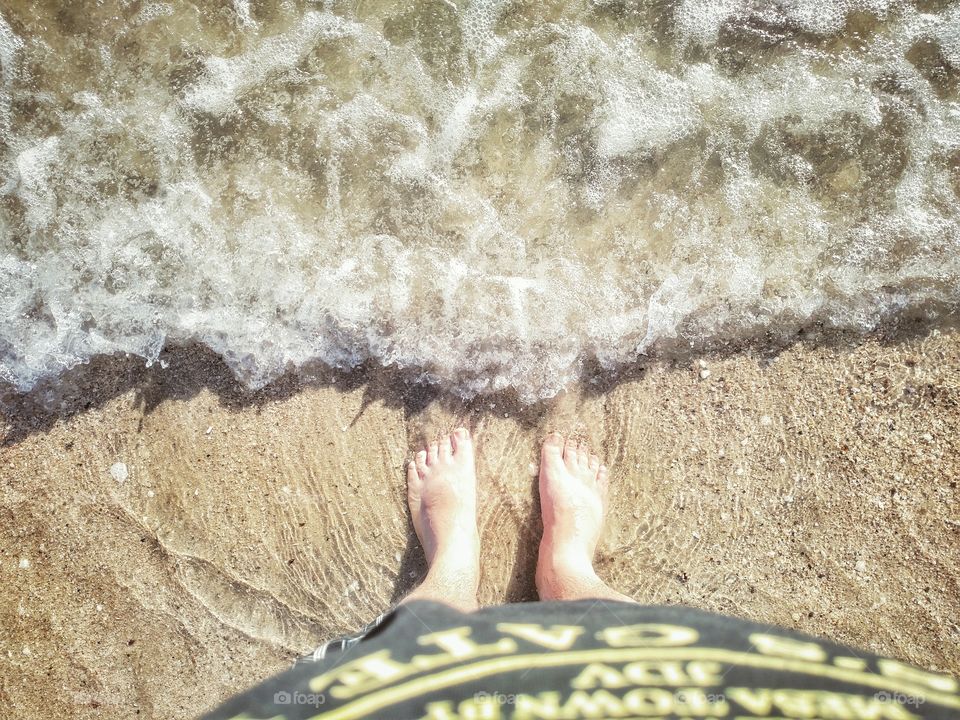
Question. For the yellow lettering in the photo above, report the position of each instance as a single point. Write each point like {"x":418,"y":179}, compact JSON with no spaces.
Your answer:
{"x":361,"y":675}
{"x":851,"y":663}
{"x":819,"y":704}
{"x":440,"y":711}
{"x":879,"y":707}
{"x":648,"y":635}
{"x":795,"y":703}
{"x":458,"y":647}
{"x":656,"y":673}
{"x":787,"y":647}
{"x":558,"y":637}
{"x":758,"y":702}
{"x":835,"y":706}
{"x":481,"y":706}
{"x":599,"y":704}
{"x":545,"y":706}
{"x":456,"y":642}
{"x":934,"y":681}
{"x":705,"y":672}
{"x":598,"y":674}
{"x":648,"y":701}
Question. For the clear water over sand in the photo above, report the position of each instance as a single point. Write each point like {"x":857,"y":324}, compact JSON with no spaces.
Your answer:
{"x":490,"y":195}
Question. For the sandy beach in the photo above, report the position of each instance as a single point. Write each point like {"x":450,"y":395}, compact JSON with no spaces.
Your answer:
{"x":169,"y":538}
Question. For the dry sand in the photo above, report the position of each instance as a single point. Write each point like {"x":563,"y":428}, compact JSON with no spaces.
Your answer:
{"x":814,"y":489}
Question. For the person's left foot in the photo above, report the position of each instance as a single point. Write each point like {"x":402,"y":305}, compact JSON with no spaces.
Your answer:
{"x":442,"y":493}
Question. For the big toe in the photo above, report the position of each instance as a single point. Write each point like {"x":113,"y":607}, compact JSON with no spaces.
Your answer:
{"x":553,"y":445}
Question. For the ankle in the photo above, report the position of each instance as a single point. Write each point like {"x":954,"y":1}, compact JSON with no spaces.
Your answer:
{"x":564,"y":554}
{"x":564,"y":573}
{"x":459,"y":553}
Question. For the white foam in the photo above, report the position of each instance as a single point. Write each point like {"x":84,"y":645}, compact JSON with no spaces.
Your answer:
{"x":10,"y":47}
{"x":34,"y":166}
{"x":225,"y":79}
{"x":486,"y":207}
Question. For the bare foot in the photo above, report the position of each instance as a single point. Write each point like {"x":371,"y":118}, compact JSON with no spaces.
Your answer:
{"x":442,"y":493}
{"x":573,"y":501}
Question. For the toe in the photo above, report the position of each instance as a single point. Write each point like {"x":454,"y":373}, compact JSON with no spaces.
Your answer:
{"x":433,"y":452}
{"x":422,"y":461}
{"x":583,"y":455}
{"x":553,"y":444}
{"x":446,"y":447}
{"x":603,"y":479}
{"x":461,"y":440}
{"x":594,"y":463}
{"x":413,"y":477}
{"x":570,"y":452}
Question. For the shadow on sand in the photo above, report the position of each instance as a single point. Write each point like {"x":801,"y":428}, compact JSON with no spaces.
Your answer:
{"x":181,"y":372}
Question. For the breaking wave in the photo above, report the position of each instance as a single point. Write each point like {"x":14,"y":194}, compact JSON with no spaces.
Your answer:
{"x":490,"y":195}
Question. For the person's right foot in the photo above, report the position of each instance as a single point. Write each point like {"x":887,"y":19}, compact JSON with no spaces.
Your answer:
{"x":442,"y":494}
{"x":573,"y":499}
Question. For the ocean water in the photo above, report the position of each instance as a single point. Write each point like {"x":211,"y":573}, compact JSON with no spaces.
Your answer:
{"x":490,"y":195}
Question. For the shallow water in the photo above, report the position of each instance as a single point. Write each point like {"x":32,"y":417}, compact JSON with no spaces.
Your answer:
{"x":490,"y":195}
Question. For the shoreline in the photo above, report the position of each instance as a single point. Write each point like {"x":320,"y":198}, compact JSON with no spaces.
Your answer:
{"x":814,"y":488}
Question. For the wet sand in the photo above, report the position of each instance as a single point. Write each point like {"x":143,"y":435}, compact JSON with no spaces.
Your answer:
{"x":815,"y":489}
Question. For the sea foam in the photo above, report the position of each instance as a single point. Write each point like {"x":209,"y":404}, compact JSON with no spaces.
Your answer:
{"x":486,"y":195}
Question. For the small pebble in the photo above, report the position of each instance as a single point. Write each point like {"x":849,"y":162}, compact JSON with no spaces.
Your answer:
{"x":24,"y":563}
{"x":209,"y":430}
{"x":861,"y":566}
{"x":704,"y":374}
{"x":927,"y":437}
{"x":26,"y":650}
{"x":119,"y":472}
{"x":766,"y":420}
{"x":702,"y":363}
